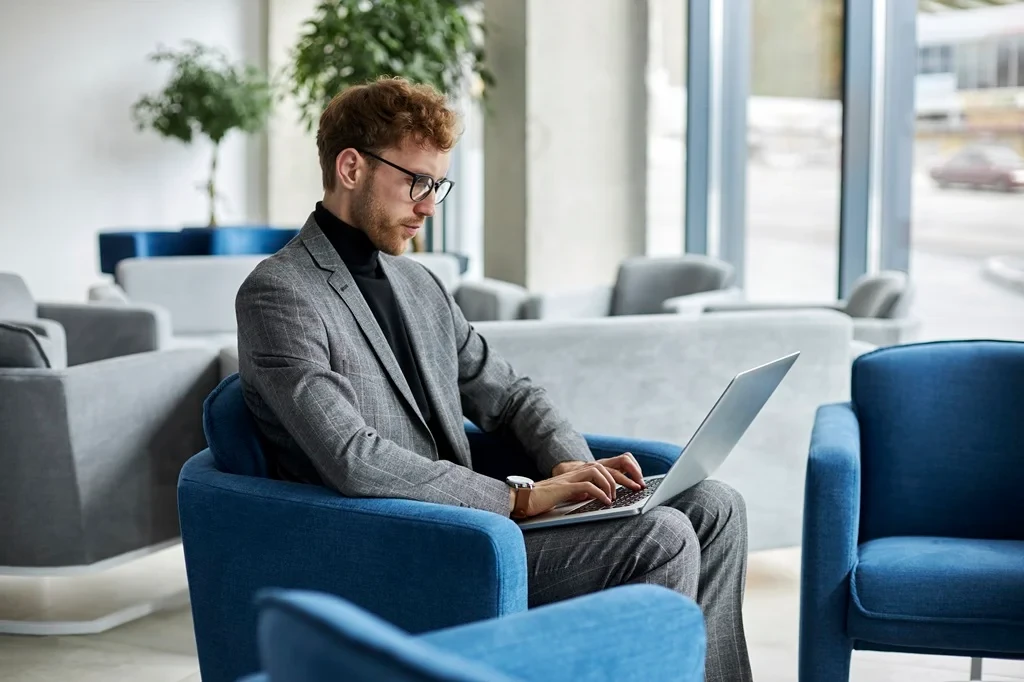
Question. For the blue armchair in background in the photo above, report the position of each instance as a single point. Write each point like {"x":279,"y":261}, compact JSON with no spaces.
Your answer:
{"x":635,"y":633}
{"x":420,"y":566}
{"x":914,"y":510}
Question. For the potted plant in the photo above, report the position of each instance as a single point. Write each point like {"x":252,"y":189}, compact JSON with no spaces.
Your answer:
{"x":351,"y":42}
{"x":206,"y":95}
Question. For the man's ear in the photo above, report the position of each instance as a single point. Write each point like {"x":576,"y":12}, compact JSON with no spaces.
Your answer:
{"x":349,"y":167}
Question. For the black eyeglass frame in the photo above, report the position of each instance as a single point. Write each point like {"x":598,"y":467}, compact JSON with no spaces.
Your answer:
{"x":432,"y":184}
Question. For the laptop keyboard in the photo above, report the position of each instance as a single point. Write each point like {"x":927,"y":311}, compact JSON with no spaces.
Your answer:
{"x":624,"y":498}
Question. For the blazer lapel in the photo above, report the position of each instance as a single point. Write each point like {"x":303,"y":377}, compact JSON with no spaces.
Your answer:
{"x":416,"y":324}
{"x":342,"y":282}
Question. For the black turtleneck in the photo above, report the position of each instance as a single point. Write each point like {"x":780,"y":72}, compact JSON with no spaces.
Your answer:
{"x":361,"y":258}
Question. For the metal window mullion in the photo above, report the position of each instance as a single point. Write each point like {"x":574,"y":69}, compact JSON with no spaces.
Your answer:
{"x":699,"y":112}
{"x":858,"y":98}
{"x":898,"y":128}
{"x":735,"y":92}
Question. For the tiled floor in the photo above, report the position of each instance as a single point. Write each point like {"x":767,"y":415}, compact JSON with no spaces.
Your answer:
{"x":160,"y":648}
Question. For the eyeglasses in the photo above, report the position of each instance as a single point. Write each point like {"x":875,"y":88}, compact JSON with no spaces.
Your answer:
{"x":421,"y":184}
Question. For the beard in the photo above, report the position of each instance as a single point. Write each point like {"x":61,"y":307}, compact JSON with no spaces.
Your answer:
{"x":385,"y":231}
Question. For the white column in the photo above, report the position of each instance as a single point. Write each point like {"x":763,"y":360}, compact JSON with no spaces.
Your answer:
{"x":565,"y":141}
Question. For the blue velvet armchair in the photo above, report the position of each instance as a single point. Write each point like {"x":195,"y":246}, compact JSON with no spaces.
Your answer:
{"x":636,"y":633}
{"x":914,"y":509}
{"x":419,"y":566}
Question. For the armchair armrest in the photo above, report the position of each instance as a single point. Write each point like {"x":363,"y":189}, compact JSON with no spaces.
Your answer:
{"x":570,"y":305}
{"x":697,"y":303}
{"x":98,"y":331}
{"x":886,"y":332}
{"x":52,"y":339}
{"x":420,"y":566}
{"x":489,"y":299}
{"x":830,"y":533}
{"x":636,"y":632}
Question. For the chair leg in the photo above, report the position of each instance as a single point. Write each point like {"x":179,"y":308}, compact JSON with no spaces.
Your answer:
{"x":976,"y":668}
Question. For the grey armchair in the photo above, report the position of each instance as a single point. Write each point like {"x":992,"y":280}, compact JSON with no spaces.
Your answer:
{"x":880,"y":305}
{"x":643,"y":286}
{"x":91,"y":456}
{"x":73,"y":334}
{"x":481,"y":299}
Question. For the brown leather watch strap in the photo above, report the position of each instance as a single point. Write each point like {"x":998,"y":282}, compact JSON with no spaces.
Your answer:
{"x":522,"y":502}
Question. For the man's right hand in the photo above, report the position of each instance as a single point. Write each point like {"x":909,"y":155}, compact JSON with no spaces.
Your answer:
{"x":591,"y":481}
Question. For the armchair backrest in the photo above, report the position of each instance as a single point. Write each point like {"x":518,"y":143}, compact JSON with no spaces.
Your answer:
{"x":16,"y":302}
{"x":942,"y":440}
{"x":882,"y":295}
{"x":444,"y":265}
{"x":198,"y":291}
{"x":231,"y":432}
{"x":644,"y":283}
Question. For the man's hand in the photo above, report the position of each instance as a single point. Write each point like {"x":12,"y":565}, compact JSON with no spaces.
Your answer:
{"x":622,"y":470}
{"x":587,"y":481}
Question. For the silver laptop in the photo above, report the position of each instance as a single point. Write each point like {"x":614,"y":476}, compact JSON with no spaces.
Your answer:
{"x":714,"y":439}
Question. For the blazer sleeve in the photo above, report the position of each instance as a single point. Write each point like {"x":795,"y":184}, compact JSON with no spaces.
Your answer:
{"x":287,"y":361}
{"x":495,"y":397}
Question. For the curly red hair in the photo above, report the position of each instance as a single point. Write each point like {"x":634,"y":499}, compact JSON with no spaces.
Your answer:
{"x":380,"y":115}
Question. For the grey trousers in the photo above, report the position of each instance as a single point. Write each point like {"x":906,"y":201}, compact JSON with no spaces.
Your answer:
{"x":695,"y":545}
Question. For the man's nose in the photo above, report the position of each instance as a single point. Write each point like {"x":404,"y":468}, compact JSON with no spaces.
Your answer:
{"x":426,"y":206}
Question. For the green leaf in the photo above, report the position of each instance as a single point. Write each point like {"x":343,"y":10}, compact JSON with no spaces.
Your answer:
{"x":351,"y":42}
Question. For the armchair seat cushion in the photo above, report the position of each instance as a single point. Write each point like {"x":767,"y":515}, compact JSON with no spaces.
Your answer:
{"x":942,"y":585}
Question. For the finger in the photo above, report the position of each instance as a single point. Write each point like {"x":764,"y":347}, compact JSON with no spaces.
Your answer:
{"x":625,"y":480}
{"x":593,"y":491}
{"x":632,"y":468}
{"x":602,"y":478}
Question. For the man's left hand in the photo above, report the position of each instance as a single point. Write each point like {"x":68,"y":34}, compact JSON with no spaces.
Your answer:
{"x":623,"y":469}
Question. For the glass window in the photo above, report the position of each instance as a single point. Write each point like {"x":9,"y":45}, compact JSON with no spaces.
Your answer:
{"x":963,"y":213}
{"x":985,"y":66}
{"x":947,"y":59}
{"x":1020,"y":61}
{"x":1004,"y":63}
{"x":795,"y":135}
{"x":966,"y":67}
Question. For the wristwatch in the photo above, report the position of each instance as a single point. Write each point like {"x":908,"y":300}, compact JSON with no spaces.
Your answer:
{"x":523,"y":487}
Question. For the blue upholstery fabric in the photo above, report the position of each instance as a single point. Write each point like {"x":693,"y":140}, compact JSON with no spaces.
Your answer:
{"x":247,"y":240}
{"x":116,"y":246}
{"x":190,"y":241}
{"x":231,"y":432}
{"x":913,"y":532}
{"x":952,"y":414}
{"x":419,"y":566}
{"x":641,"y":632}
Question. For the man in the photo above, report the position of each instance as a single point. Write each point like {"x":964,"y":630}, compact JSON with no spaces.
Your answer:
{"x":358,"y":367}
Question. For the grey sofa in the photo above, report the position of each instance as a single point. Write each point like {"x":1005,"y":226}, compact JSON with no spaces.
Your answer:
{"x":880,"y":305}
{"x":657,"y":376}
{"x":73,"y":334}
{"x":643,"y":286}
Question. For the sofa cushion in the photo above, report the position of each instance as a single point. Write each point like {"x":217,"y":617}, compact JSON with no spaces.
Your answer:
{"x":942,"y":580}
{"x":19,"y":347}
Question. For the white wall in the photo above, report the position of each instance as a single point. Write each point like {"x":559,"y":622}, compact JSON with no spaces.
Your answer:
{"x":72,"y":162}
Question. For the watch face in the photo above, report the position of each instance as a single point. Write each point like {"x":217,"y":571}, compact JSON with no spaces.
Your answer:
{"x":520,"y":481}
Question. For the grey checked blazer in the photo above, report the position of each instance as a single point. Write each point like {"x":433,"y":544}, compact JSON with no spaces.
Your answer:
{"x":322,"y":383}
